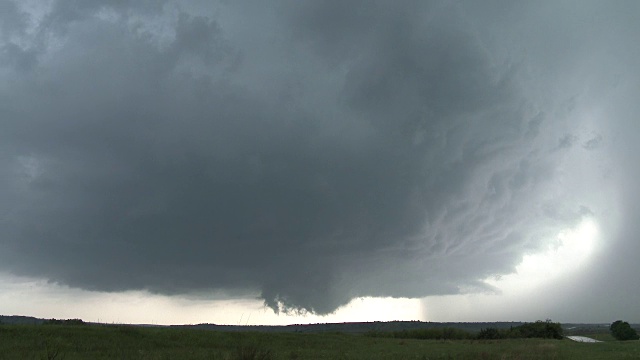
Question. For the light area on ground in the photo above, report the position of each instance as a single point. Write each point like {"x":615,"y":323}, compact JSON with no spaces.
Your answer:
{"x":519,"y":294}
{"x":38,"y":298}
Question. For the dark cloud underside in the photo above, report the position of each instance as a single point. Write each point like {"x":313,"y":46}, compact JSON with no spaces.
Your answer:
{"x":309,"y":151}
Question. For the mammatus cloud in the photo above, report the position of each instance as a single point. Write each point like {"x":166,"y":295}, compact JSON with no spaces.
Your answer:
{"x":311,"y":152}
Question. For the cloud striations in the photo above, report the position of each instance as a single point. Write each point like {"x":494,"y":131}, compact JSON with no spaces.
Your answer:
{"x":309,"y":152}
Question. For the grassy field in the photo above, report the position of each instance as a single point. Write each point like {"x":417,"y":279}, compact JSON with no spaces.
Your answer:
{"x":129,"y":342}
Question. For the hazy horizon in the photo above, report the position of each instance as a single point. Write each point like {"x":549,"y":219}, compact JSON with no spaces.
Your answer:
{"x":239,"y":323}
{"x":320,"y":161}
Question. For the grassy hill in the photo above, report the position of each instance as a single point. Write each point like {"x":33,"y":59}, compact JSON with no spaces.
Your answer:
{"x":17,"y":319}
{"x":138,"y":342}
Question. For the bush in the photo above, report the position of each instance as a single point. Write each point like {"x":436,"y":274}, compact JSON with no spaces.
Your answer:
{"x":490,"y":334}
{"x":621,"y":330}
{"x":538,"y":329}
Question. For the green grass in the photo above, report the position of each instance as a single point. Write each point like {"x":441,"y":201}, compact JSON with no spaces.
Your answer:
{"x":128,"y":342}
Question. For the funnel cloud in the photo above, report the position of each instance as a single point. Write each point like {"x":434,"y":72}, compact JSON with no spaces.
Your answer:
{"x":313,"y":152}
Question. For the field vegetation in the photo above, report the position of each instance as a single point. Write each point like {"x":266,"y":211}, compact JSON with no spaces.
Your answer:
{"x":538,"y":329}
{"x":70,"y":341}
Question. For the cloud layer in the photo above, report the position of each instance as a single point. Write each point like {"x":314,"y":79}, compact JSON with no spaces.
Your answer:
{"x":310,"y":152}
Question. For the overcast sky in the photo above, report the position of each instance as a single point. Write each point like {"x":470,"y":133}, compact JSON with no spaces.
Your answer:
{"x":363,"y":160}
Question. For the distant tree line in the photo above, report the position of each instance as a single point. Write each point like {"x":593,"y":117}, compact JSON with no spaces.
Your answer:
{"x":539,"y":329}
{"x":63,"y":322}
{"x":447,"y":333}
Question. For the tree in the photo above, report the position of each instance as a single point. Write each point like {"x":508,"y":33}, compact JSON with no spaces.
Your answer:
{"x":539,"y":329}
{"x":621,"y":330}
{"x":490,"y":334}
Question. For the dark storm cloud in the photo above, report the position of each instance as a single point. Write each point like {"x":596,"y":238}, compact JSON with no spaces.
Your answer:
{"x":12,"y":20}
{"x":64,"y":12}
{"x":309,"y":151}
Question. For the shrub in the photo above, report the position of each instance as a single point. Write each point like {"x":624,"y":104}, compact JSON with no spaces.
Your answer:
{"x":621,"y":330}
{"x":538,"y":329}
{"x":489,"y":334}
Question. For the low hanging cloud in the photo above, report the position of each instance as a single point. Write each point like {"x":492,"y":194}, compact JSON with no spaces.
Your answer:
{"x":310,"y":152}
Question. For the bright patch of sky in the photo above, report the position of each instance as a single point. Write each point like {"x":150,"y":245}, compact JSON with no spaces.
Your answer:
{"x":514,"y":293}
{"x":24,"y":296}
